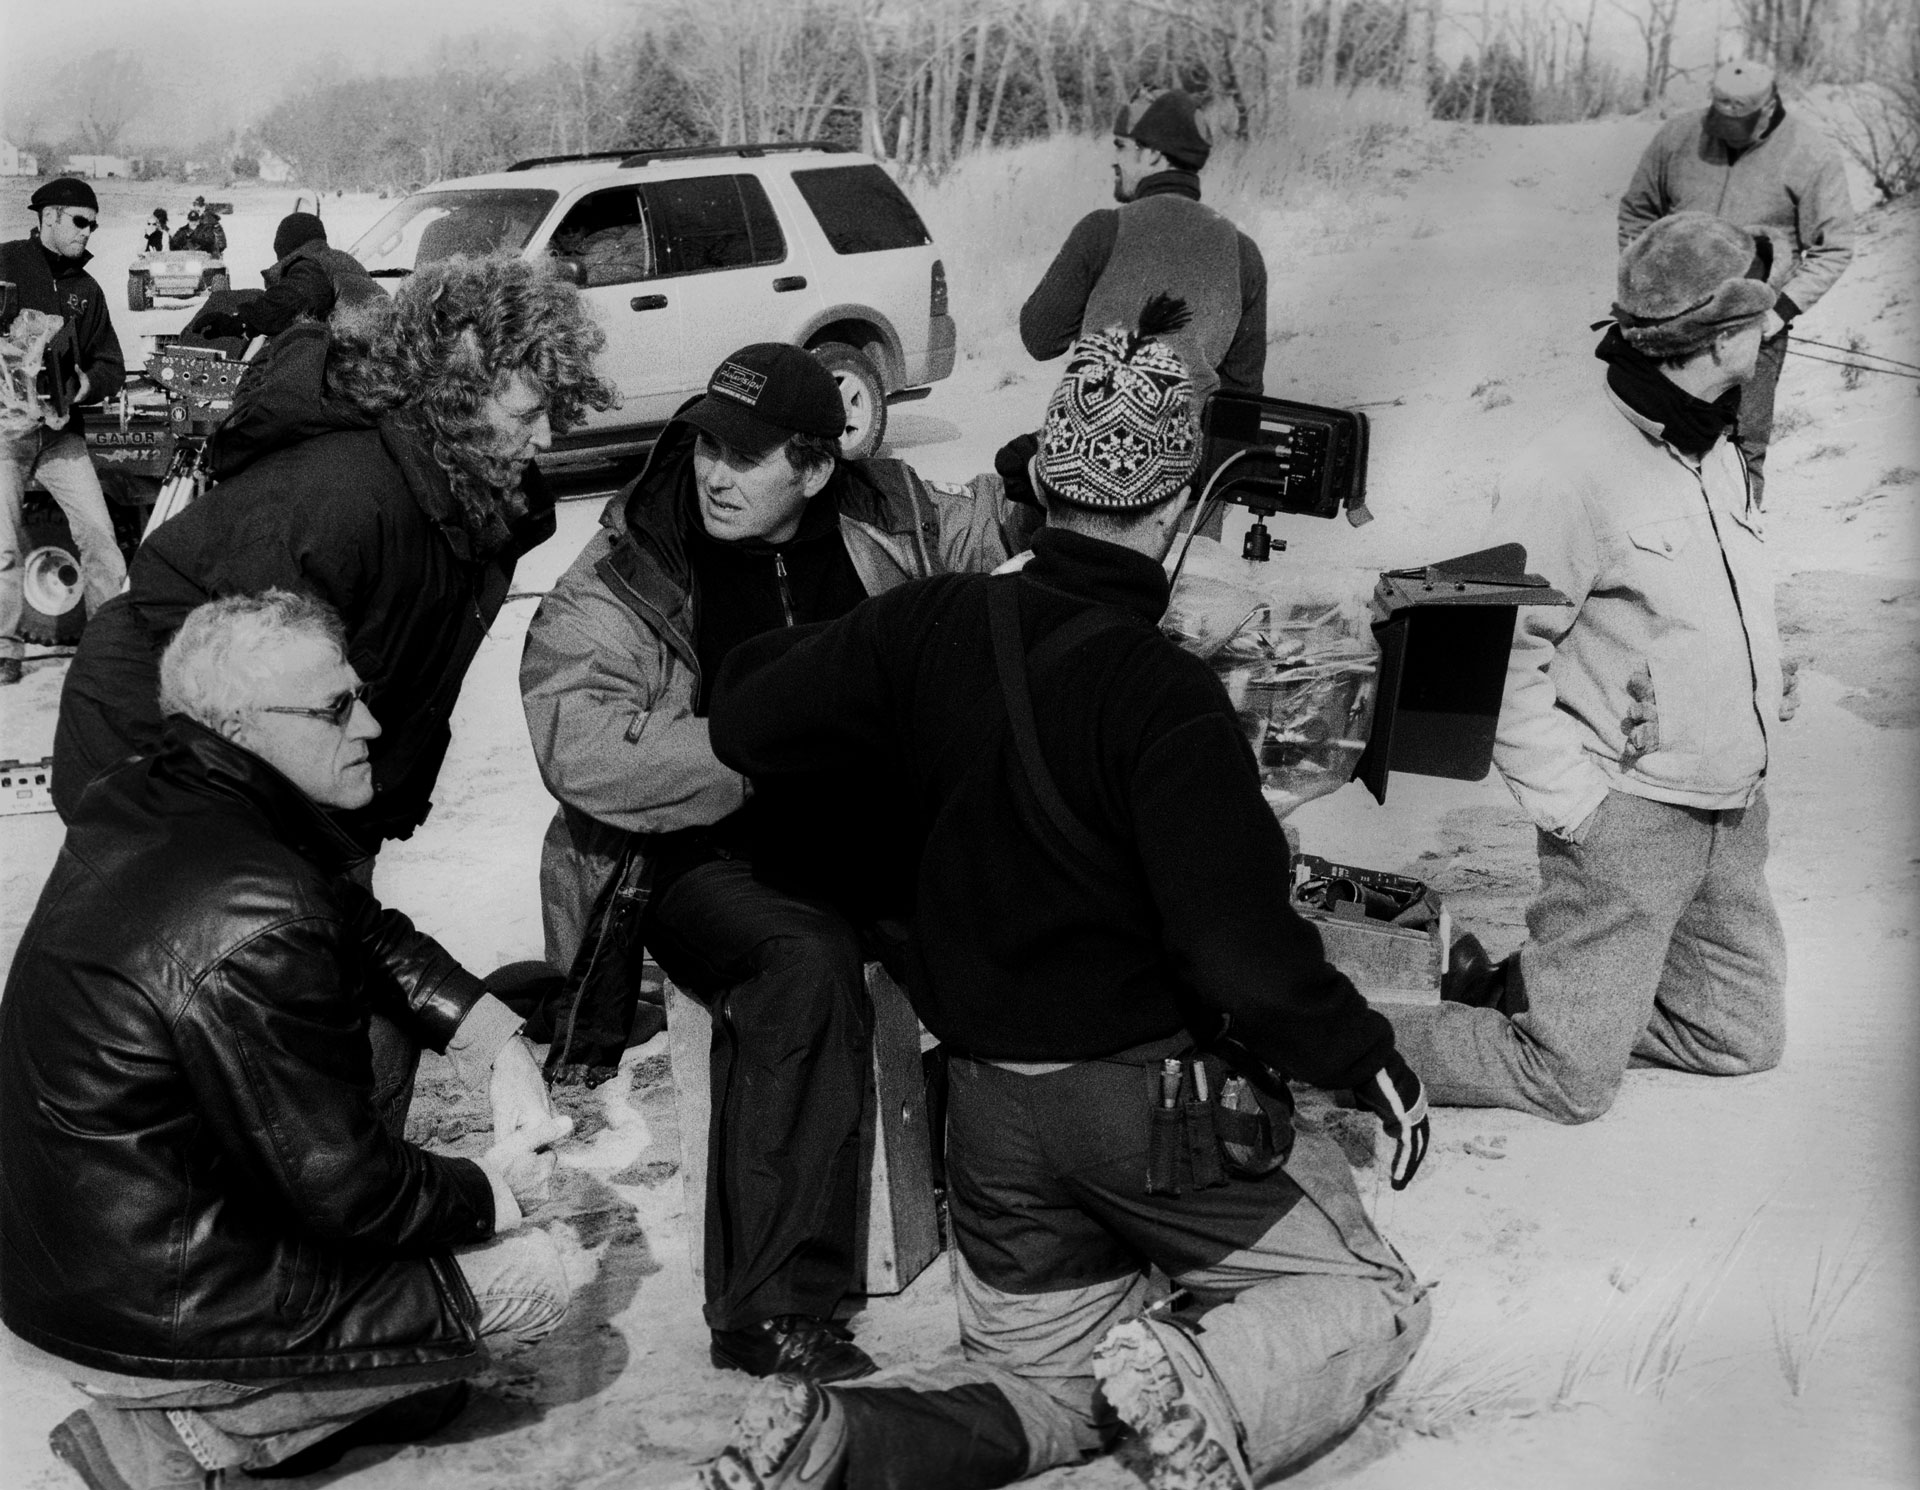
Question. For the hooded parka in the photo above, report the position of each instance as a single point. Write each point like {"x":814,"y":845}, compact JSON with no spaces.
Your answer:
{"x":313,"y":496}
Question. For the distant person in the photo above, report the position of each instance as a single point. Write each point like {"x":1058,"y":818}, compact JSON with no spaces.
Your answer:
{"x":209,"y":1218}
{"x":157,"y":230}
{"x":49,"y":269}
{"x":385,"y":467}
{"x":1160,"y":239}
{"x":1748,"y":161}
{"x":1636,"y":728}
{"x":306,"y":280}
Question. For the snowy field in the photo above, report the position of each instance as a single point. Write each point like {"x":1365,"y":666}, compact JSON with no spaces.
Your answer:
{"x":1714,"y":1286}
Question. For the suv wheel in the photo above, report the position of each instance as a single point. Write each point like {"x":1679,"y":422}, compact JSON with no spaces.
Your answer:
{"x":864,"y":395}
{"x":139,"y":292}
{"x":53,"y":607}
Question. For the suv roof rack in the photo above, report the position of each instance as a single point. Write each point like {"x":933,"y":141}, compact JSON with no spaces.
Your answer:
{"x":560,"y":160}
{"x":762,"y":147}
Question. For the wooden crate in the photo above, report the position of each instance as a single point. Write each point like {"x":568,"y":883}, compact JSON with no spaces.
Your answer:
{"x":901,"y":1230}
{"x":1389,"y":964}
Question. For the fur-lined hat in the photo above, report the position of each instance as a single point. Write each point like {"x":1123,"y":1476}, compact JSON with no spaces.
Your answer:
{"x":1684,"y":281}
{"x":1120,"y":430}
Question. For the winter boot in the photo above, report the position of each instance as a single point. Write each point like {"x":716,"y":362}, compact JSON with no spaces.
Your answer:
{"x":1154,"y":1376}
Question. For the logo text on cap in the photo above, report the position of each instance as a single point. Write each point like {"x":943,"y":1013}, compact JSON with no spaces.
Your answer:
{"x":738,"y":382}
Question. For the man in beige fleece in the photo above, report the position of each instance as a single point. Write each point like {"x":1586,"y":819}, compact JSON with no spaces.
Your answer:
{"x":1635,"y":728}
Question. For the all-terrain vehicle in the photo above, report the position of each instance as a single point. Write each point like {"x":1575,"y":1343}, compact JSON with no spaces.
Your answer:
{"x":177,"y":274}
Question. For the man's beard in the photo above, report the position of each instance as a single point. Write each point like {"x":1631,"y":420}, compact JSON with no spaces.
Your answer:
{"x":1737,"y":132}
{"x":1121,"y":191}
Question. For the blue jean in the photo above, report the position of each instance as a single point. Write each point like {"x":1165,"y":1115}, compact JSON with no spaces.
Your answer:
{"x":1654,"y":941}
{"x":66,"y":470}
{"x":522,"y":1293}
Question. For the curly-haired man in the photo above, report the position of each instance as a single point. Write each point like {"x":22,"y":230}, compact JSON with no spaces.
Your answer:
{"x":383,"y":464}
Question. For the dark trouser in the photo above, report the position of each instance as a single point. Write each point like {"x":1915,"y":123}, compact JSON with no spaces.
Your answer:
{"x":1308,"y":1313}
{"x":108,"y":708}
{"x":792,"y":1041}
{"x":1756,"y":411}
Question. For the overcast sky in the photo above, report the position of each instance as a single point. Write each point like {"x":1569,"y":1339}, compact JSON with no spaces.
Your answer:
{"x":219,"y":64}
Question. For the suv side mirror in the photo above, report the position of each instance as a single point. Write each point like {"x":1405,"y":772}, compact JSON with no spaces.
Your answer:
{"x":571,"y":270}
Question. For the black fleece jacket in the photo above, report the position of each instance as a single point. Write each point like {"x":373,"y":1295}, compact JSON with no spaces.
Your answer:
{"x":62,"y":287}
{"x":1021,"y":951}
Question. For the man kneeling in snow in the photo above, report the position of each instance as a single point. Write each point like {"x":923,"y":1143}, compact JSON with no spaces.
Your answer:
{"x":208,"y":1217}
{"x":1636,"y":727}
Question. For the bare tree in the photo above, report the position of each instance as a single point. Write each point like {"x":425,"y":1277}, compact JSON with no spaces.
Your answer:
{"x":102,"y":94}
{"x":1655,"y":23}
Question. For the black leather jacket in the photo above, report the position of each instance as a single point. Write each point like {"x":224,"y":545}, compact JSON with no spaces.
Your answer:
{"x":194,"y":1181}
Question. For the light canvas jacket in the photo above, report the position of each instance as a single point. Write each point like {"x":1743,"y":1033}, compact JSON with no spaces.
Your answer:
{"x":610,"y":675}
{"x":1664,"y":563}
{"x":1792,"y":186}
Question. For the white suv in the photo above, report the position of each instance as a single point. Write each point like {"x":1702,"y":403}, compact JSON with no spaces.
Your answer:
{"x":688,"y":254}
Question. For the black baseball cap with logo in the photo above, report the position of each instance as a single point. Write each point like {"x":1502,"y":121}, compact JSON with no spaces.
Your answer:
{"x":765,"y":393}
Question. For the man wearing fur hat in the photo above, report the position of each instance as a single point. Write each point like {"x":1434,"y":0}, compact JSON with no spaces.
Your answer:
{"x":1100,"y":898}
{"x":1750,"y":162}
{"x":1159,"y":239}
{"x":1636,"y":725}
{"x":49,"y":266}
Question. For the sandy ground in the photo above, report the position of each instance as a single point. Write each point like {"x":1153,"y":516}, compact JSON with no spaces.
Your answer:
{"x":1715,"y":1285}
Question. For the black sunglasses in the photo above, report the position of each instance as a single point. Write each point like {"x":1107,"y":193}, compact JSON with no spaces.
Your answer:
{"x":89,"y":223}
{"x":337,"y":712}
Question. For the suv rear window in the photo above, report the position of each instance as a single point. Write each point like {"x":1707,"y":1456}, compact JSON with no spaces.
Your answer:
{"x":712,"y":222}
{"x":860,"y":209}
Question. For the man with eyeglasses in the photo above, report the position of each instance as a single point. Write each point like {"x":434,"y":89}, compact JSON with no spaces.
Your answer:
{"x":210,"y":1219}
{"x":746,"y":519}
{"x":49,"y":267}
{"x":1749,"y":161}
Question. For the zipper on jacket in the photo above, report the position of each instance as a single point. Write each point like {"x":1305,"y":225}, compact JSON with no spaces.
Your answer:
{"x":780,"y":582}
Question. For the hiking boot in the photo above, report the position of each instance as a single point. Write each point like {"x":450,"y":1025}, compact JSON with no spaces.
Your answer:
{"x":1154,"y":1376}
{"x":9,"y":670}
{"x":792,"y":1345}
{"x":791,"y":1435}
{"x":1472,"y":977}
{"x":112,"y":1448}
{"x":406,"y":1421}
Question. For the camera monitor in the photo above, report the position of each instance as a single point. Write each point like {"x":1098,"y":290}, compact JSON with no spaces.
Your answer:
{"x":1273,"y":455}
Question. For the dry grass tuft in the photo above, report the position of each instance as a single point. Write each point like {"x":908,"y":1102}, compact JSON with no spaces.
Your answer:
{"x":1801,"y":1325}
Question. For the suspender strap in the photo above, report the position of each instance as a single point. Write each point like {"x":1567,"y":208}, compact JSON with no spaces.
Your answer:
{"x":1011,"y":662}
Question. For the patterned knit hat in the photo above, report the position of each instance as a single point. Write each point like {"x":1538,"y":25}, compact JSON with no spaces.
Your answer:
{"x":1120,"y":429}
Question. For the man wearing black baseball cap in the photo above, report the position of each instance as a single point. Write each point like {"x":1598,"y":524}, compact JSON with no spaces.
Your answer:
{"x":745,"y":519}
{"x":49,"y":267}
{"x":1160,"y":239}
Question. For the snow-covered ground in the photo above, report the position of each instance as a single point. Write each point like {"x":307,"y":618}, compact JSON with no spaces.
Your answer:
{"x":1713,"y":1286}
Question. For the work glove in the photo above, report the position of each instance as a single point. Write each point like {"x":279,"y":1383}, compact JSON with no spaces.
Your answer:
{"x":1394,"y":1095}
{"x":1010,"y":460}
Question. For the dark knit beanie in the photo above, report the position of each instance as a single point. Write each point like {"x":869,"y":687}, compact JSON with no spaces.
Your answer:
{"x":1684,"y":281}
{"x":1120,"y":429}
{"x":64,"y":191}
{"x":295,"y":229}
{"x":1169,"y":121}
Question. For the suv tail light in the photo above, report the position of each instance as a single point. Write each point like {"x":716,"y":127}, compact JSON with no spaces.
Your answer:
{"x":938,"y":306}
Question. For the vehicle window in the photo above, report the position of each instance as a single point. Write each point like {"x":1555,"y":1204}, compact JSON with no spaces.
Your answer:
{"x":712,"y":222}
{"x":607,"y":235}
{"x":860,"y":209}
{"x":434,"y":225}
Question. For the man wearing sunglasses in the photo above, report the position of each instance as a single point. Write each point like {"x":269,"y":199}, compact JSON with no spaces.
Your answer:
{"x":49,"y":267}
{"x":207,"y":1052}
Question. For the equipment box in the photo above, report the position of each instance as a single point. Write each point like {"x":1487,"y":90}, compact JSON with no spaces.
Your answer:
{"x":1386,"y":932}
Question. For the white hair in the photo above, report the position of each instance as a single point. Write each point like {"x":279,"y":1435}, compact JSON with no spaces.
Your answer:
{"x":212,"y":669}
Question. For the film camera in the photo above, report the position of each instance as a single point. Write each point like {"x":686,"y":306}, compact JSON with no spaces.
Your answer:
{"x":199,"y":384}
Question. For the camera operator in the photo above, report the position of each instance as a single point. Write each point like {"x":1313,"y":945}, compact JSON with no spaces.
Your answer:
{"x":1102,"y":891}
{"x":49,"y":266}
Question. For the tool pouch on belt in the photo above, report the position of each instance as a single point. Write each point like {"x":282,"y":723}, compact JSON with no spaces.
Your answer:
{"x":1209,"y":1123}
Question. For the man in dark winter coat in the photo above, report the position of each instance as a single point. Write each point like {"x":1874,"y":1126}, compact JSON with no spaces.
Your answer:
{"x":307,"y":279}
{"x":745,"y":520}
{"x":1160,"y":239}
{"x":385,"y":467}
{"x":1101,"y":907}
{"x":1751,"y":162}
{"x":49,"y":269}
{"x":209,"y":1219}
